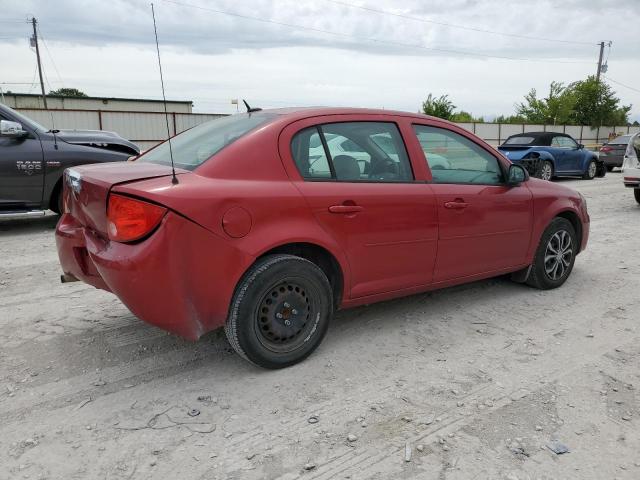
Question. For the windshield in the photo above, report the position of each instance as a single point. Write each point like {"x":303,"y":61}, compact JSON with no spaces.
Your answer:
{"x":25,"y":121}
{"x":193,"y":147}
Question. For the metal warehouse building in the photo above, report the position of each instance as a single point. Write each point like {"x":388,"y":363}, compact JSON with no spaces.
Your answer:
{"x":140,"y":120}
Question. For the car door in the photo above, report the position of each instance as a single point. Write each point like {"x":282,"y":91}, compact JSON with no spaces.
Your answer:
{"x":21,"y":170}
{"x":571,"y":154}
{"x":384,"y":220}
{"x":484,"y":225}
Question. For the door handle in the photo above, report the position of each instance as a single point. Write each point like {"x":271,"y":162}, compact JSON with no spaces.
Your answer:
{"x":345,"y":209}
{"x":458,"y":204}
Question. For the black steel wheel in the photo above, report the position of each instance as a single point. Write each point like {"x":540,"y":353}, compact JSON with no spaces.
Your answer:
{"x":280,"y":311}
{"x":555,"y":255}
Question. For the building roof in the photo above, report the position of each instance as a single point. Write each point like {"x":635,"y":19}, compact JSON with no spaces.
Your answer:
{"x":159,"y":100}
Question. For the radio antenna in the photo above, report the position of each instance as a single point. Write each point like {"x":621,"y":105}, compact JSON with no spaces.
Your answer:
{"x":174,"y":179}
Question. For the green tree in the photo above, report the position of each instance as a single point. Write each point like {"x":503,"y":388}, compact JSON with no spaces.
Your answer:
{"x":465,"y":117}
{"x":596,"y":104}
{"x":68,"y":92}
{"x":556,"y":108}
{"x":510,"y":119}
{"x":440,"y":107}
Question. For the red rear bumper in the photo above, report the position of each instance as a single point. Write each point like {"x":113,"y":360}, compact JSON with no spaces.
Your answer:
{"x":180,"y":279}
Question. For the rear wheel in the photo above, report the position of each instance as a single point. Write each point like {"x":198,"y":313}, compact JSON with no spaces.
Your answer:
{"x":592,"y":170}
{"x":610,"y":168}
{"x":280,"y":311}
{"x":547,"y":170}
{"x":636,"y":193}
{"x":555,"y":255}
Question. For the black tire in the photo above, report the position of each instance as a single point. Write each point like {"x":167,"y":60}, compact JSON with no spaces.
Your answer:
{"x":636,"y":193}
{"x":539,"y":277}
{"x":591,"y":171}
{"x":610,"y":168}
{"x":285,"y":285}
{"x":547,"y":164}
{"x":56,"y":203}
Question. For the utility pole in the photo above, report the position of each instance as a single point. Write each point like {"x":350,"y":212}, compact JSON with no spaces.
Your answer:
{"x":35,"y":40}
{"x":600,"y":62}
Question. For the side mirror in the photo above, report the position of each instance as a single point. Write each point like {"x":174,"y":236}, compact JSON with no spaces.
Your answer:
{"x":580,"y":146}
{"x":11,"y":129}
{"x":517,"y":174}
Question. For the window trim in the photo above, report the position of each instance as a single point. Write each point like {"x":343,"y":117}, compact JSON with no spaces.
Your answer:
{"x":503,"y":168}
{"x":327,"y":153}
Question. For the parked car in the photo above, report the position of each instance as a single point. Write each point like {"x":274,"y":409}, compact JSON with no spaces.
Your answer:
{"x":33,"y":157}
{"x":549,"y":154}
{"x":612,"y":152}
{"x":259,"y":233}
{"x":631,"y":166}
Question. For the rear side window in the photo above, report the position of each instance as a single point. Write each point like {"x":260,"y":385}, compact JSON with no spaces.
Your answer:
{"x":352,"y":152}
{"x":453,"y":158}
{"x":519,"y":141}
{"x":195,"y":146}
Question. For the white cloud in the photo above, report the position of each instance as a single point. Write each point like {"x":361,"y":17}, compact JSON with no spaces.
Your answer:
{"x":106,"y":48}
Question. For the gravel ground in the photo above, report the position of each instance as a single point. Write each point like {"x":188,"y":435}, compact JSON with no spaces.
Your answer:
{"x":470,"y":382}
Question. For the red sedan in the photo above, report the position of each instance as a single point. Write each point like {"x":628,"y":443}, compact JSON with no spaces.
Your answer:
{"x":277,"y":218}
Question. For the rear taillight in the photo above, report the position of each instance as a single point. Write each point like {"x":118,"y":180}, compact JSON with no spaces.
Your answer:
{"x":129,"y":219}
{"x":606,"y":149}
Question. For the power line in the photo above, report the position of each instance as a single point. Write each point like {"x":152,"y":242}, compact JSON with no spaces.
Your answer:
{"x":374,"y":40}
{"x":451,"y":25}
{"x":46,"y":47}
{"x":622,"y":84}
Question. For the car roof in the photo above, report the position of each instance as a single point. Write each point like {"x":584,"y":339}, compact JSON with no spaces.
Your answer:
{"x":541,"y":135}
{"x":295,"y":113}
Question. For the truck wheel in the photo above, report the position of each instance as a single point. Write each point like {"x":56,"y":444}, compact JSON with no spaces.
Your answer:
{"x":56,"y":202}
{"x":555,"y":255}
{"x":280,"y":311}
{"x":592,"y":170}
{"x":547,"y":170}
{"x":636,"y":193}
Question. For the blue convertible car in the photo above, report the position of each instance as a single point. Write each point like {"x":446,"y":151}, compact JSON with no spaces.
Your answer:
{"x":549,"y":154}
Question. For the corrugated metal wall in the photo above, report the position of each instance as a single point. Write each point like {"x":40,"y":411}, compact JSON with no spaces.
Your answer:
{"x":146,"y":129}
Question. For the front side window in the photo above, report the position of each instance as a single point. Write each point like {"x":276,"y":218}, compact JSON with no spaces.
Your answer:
{"x":564,"y":142}
{"x":352,"y":152}
{"x":195,"y":146}
{"x":453,"y":158}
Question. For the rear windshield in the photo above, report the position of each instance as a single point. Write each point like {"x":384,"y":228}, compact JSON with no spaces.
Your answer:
{"x":520,"y":141}
{"x":195,"y":146}
{"x":623,"y":140}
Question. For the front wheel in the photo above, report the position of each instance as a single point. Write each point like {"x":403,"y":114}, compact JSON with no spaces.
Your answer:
{"x":555,"y":255}
{"x":636,"y":193}
{"x":592,"y":170}
{"x":280,"y":311}
{"x":547,"y":171}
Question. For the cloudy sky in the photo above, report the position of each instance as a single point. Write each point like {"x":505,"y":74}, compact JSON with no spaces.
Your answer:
{"x":485,"y":54}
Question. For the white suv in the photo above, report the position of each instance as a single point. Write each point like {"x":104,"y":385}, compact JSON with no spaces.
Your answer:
{"x":631,"y":166}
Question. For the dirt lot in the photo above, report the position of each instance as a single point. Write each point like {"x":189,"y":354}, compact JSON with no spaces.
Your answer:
{"x":472,"y":381}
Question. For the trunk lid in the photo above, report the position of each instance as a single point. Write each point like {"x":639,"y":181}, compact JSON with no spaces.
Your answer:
{"x":514,"y":152}
{"x":87,"y":188}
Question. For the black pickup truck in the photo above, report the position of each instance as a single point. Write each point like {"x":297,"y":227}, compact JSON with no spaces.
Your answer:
{"x":32,"y":159}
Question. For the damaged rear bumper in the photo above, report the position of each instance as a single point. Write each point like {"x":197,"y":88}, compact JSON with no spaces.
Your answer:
{"x":180,"y":279}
